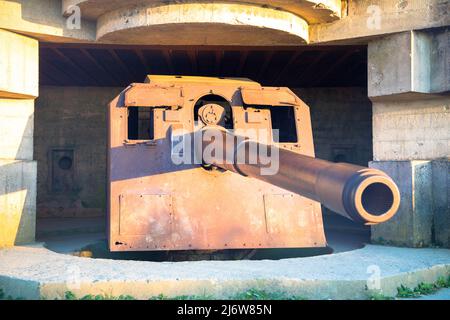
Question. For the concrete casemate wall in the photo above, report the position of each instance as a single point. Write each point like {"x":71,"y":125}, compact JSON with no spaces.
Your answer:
{"x":70,"y":147}
{"x":71,"y":123}
{"x":411,"y":130}
{"x":409,"y":85}
{"x":18,"y":88}
{"x":341,"y":122}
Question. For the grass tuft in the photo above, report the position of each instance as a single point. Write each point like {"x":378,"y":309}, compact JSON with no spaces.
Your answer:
{"x":69,"y":295}
{"x":443,"y":282}
{"x":403,"y":291}
{"x":182,"y":297}
{"x":379,"y":296}
{"x":255,"y":294}
{"x":423,"y":288}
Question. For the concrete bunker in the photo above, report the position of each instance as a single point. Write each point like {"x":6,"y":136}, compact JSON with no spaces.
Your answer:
{"x":58,"y":53}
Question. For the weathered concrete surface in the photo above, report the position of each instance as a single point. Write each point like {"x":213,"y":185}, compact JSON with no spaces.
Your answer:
{"x":313,"y":11}
{"x":202,"y":24}
{"x":392,"y":61}
{"x":72,"y":119}
{"x":34,"y":273}
{"x":43,"y":20}
{"x":441,"y":206}
{"x":440,"y":58}
{"x":17,"y":202}
{"x":412,"y":129}
{"x":18,"y":65}
{"x":408,"y":83}
{"x":332,"y":110}
{"x":423,"y":216}
{"x":409,"y":62}
{"x":19,"y":79}
{"x":16,"y":128}
{"x":412,"y":224}
{"x":367,"y":19}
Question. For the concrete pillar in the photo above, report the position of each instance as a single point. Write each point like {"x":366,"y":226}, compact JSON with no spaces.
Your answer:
{"x":409,"y":81}
{"x":18,"y":89}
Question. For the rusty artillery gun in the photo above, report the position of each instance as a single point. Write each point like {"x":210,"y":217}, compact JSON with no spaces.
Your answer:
{"x":165,"y":194}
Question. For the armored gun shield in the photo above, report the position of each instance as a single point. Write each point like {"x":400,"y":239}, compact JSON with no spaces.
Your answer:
{"x":165,"y":194}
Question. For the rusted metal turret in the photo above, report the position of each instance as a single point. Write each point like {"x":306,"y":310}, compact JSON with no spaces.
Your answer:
{"x":199,"y":163}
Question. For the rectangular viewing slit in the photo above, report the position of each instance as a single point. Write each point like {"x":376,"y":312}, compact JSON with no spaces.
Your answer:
{"x":141,"y":123}
{"x":284,"y":129}
{"x":283,"y":120}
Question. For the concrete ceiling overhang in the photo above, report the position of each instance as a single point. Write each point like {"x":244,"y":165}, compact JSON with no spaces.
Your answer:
{"x":238,"y":22}
{"x":313,"y":11}
{"x":120,"y":65}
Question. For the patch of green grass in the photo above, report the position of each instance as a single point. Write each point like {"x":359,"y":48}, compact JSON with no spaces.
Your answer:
{"x":251,"y":294}
{"x":426,"y":288}
{"x":405,"y":292}
{"x":3,"y":296}
{"x":107,"y":297}
{"x":423,"y":288}
{"x":182,"y":297}
{"x":379,"y":296}
{"x":443,"y":282}
{"x":255,"y":294}
{"x":69,"y":295}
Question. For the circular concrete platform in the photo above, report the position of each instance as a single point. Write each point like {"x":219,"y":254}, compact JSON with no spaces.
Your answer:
{"x":36,"y":272}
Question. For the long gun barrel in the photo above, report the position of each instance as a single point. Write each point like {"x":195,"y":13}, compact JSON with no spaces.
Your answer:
{"x":359,"y":193}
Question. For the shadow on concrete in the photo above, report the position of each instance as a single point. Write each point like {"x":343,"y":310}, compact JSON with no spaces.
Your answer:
{"x":14,"y":180}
